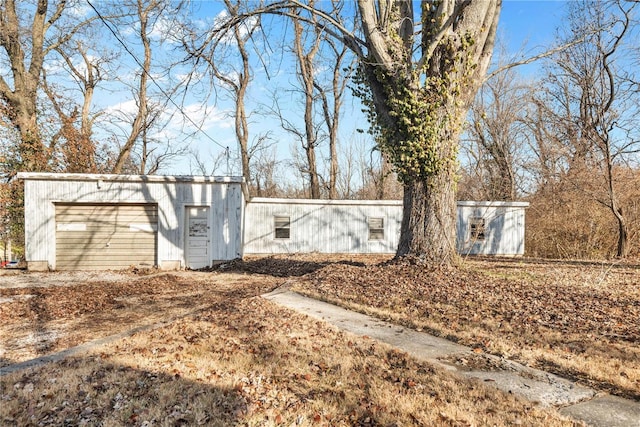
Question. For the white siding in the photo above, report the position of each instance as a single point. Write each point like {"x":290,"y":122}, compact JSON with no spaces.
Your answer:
{"x":330,"y":226}
{"x":504,"y":228}
{"x":171,"y":194}
{"x":326,"y":226}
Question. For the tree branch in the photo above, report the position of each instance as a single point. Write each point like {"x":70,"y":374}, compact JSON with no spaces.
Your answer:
{"x":536,"y":57}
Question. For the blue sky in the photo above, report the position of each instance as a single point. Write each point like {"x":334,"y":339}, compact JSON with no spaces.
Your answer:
{"x":527,"y":27}
{"x":530,"y":24}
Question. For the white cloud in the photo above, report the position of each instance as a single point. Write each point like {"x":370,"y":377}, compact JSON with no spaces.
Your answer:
{"x":245,"y":27}
{"x":127,"y":108}
{"x":79,"y":10}
{"x":209,"y":118}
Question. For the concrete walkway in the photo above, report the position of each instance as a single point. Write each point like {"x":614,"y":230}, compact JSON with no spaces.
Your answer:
{"x":573,"y":400}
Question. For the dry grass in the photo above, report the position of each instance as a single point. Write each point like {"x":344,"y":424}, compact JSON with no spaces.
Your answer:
{"x":38,"y":320}
{"x":237,"y":360}
{"x":580,"y":320}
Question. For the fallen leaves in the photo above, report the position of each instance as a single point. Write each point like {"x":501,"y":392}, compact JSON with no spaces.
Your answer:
{"x":41,"y":320}
{"x":503,"y":307}
{"x":245,"y":361}
{"x":241,"y":360}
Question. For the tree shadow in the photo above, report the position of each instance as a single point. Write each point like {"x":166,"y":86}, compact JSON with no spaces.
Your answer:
{"x":96,"y":392}
{"x":280,"y":266}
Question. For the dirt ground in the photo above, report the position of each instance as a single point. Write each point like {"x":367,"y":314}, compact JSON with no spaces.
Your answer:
{"x":578,"y":319}
{"x":227,"y":356}
{"x":42,"y":313}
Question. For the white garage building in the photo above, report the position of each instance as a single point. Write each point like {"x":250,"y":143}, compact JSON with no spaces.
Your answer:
{"x":78,"y":221}
{"x":86,"y":221}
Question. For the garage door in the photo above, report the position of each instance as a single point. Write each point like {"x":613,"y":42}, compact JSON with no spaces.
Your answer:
{"x":96,"y":237}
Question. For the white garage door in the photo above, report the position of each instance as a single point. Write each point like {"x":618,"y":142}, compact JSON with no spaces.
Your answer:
{"x":106,"y":236}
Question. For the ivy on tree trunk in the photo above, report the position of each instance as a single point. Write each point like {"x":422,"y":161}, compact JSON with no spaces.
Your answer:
{"x":417,"y":104}
{"x":418,"y":73}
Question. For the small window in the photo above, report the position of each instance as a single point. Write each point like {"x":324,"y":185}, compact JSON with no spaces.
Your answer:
{"x":376,"y":228}
{"x":476,"y":228}
{"x":283,"y":227}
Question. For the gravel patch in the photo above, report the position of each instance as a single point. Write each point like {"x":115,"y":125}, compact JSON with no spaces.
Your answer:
{"x":24,"y":279}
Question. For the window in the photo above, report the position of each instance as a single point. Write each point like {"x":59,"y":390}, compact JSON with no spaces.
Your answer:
{"x":283,"y":227}
{"x":476,"y":228}
{"x":376,"y":228}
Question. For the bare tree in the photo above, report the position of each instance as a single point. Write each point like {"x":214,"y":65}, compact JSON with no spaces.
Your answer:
{"x":592,"y":109}
{"x":418,"y":77}
{"x":76,"y":132}
{"x":495,"y":133}
{"x":264,"y":167}
{"x":140,"y":146}
{"x":332,"y":100}
{"x":29,"y":32}
{"x":217,"y":54}
{"x":146,"y":13}
{"x":306,"y":58}
{"x":216,"y":163}
{"x":603,"y":118}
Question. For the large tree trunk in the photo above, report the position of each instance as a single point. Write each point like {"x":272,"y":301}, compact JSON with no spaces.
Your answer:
{"x":428,"y":230}
{"x":416,"y":78}
{"x":419,"y":106}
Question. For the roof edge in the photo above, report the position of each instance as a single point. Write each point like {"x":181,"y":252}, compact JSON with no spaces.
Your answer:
{"x":461,"y":203}
{"x":492,"y":204}
{"x":44,"y":176}
{"x":325,"y":201}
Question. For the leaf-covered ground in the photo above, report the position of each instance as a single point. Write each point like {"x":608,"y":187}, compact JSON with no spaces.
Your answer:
{"x":61,"y":310}
{"x":228,"y":358}
{"x":581,"y":320}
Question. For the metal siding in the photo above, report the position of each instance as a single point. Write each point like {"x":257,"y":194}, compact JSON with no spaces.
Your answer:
{"x":220,"y":224}
{"x":316,"y":227}
{"x":322,"y":226}
{"x":330,"y":227}
{"x":170,"y":195}
{"x":504,"y":229}
{"x":38,"y":219}
{"x":227,"y":211}
{"x":105,"y":236}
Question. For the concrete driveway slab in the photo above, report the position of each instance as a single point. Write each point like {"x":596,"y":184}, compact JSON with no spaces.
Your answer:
{"x":608,"y":411}
{"x":536,"y":386}
{"x":417,"y":344}
{"x":546,"y":389}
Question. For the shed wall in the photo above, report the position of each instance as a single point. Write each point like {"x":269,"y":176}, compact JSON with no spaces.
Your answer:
{"x":503,"y":228}
{"x":342,"y":227}
{"x":320,"y":226}
{"x":171,"y":197}
{"x":326,"y":226}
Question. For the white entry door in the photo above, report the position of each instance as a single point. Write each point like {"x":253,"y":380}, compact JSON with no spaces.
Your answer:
{"x":197,"y":241}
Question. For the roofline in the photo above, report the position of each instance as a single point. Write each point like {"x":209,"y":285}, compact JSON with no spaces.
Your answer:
{"x":492,"y":204}
{"x":325,"y":201}
{"x":47,"y":176}
{"x":50,"y":176}
{"x":462,"y":203}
